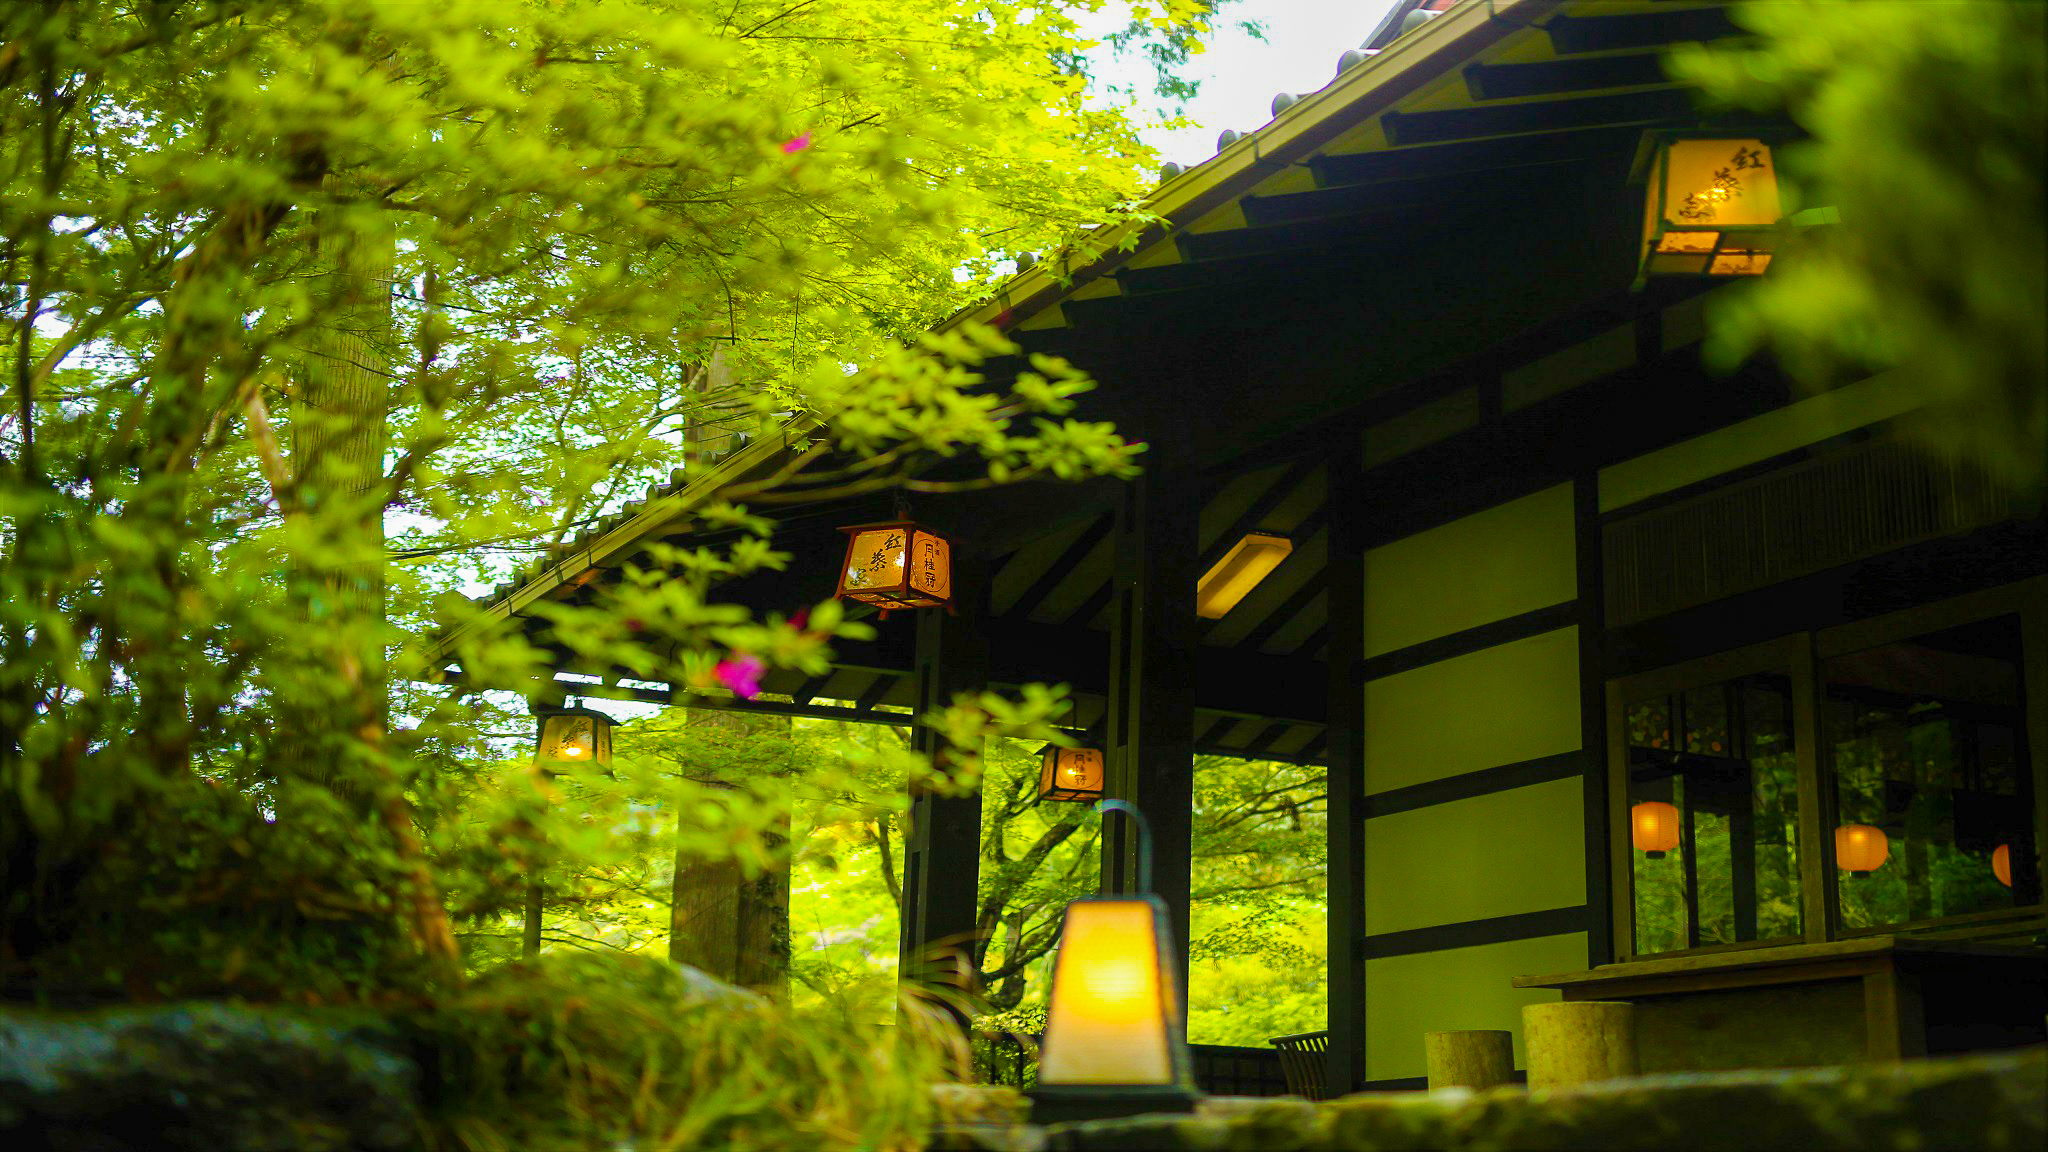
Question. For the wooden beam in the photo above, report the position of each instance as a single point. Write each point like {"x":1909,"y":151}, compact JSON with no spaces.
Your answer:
{"x":1068,"y":561}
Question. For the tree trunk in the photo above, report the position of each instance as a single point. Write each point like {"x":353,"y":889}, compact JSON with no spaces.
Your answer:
{"x":732,"y":927}
{"x":340,"y":436}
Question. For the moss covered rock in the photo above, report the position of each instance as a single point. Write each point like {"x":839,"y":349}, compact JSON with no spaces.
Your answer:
{"x":1988,"y":1103}
{"x":217,"y":1077}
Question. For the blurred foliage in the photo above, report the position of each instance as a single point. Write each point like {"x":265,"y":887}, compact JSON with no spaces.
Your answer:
{"x":319,"y":314}
{"x":577,"y":1051}
{"x":285,"y":278}
{"x":1926,"y":120}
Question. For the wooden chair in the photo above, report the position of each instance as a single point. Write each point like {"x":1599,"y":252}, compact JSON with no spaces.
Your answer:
{"x":1301,"y":1058}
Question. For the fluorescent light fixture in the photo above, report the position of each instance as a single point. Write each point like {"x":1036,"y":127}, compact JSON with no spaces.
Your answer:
{"x":1249,"y":561}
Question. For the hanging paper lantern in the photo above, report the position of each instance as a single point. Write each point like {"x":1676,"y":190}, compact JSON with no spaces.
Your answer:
{"x":2001,"y":864}
{"x":899,"y":564}
{"x":1654,"y":826}
{"x":1861,"y":849}
{"x":1713,"y":207}
{"x":1070,"y":774}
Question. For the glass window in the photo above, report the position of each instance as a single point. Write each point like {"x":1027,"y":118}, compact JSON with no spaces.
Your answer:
{"x":1713,"y":796}
{"x":1926,"y":744}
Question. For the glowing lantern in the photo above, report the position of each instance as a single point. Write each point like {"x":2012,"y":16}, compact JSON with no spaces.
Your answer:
{"x":1713,"y":207}
{"x":2001,"y":864}
{"x":1861,"y":849}
{"x":1070,"y":774}
{"x":1249,"y":561}
{"x":900,"y":564}
{"x":1114,"y":1036}
{"x":1653,"y":825}
{"x":574,"y":736}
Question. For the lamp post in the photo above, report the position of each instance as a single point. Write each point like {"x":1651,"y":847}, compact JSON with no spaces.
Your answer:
{"x":562,"y":736}
{"x":1115,"y":1039}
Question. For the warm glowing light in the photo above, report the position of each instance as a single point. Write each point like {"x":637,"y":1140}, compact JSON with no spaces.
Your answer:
{"x":1653,"y":826}
{"x":1110,"y":1018}
{"x":1739,"y":264}
{"x":1070,"y":774}
{"x":1713,"y":207}
{"x":1861,"y":849}
{"x":897,"y":565}
{"x":574,"y":734}
{"x":1249,"y":561}
{"x":2001,"y":864}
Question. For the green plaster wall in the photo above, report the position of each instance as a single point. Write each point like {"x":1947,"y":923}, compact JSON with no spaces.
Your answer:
{"x":1512,"y":702}
{"x":1406,"y":996}
{"x":1522,"y":850}
{"x":1509,"y":559}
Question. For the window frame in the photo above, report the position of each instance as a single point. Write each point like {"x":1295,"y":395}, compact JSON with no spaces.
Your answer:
{"x":1798,"y":656}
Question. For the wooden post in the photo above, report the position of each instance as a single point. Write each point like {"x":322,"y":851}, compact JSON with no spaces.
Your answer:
{"x":1601,"y":891}
{"x":1151,"y":729}
{"x":942,"y":834}
{"x":1477,"y":1058}
{"x":1345,"y":828}
{"x":1578,"y":1041}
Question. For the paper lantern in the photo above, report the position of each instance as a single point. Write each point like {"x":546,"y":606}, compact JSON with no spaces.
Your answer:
{"x":1115,"y":1040}
{"x":2001,"y":864}
{"x":1861,"y":849}
{"x":573,"y":736}
{"x":899,"y":564}
{"x":1654,"y":825}
{"x":1070,"y":774}
{"x":1227,"y":581}
{"x":1713,"y":207}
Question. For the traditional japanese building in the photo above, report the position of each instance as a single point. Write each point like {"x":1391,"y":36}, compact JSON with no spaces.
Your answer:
{"x":1612,"y":660}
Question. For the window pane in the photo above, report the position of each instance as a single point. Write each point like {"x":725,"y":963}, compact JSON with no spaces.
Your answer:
{"x":1927,"y":748}
{"x":1714,"y":815}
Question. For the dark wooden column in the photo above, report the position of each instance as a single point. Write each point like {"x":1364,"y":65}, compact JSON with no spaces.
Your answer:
{"x":1592,"y":621}
{"x":942,"y":836}
{"x":1346,"y":790}
{"x":1151,"y":728}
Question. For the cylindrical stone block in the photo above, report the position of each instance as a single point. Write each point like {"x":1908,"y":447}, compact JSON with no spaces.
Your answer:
{"x":1577,"y":1041}
{"x":1478,"y":1058}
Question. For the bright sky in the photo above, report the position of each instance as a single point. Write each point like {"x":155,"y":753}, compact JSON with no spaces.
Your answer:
{"x":1240,"y":75}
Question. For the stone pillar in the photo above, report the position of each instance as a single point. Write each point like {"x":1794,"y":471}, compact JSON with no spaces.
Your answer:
{"x":1578,"y":1041}
{"x":1477,"y":1058}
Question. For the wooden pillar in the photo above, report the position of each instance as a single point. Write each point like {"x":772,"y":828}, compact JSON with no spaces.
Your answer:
{"x":1592,"y":622}
{"x":942,"y":834}
{"x":1345,"y":744}
{"x":1150,"y":757}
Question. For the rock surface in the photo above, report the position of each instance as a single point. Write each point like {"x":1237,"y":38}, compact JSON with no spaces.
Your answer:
{"x":1988,"y":1103}
{"x":215,"y":1077}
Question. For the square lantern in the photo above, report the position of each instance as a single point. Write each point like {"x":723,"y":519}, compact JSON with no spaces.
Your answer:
{"x":1713,"y":207}
{"x":900,"y":564}
{"x":1114,"y":1042}
{"x":574,"y":736}
{"x":1070,"y":774}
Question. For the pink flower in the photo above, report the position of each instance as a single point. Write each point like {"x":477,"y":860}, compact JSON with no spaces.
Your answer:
{"x":796,"y":143}
{"x":742,"y":674}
